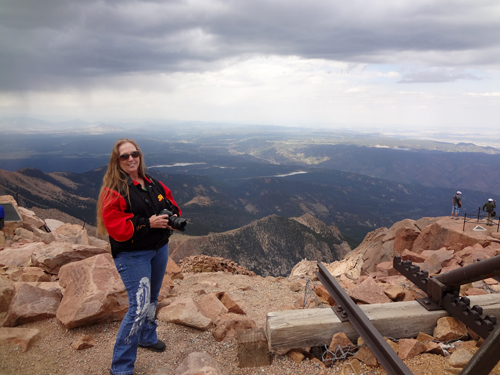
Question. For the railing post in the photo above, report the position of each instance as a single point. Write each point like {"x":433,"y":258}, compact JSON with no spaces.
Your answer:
{"x":465,"y":219}
{"x":478,"y":213}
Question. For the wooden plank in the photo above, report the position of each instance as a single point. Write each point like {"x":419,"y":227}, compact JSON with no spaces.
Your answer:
{"x":313,"y":327}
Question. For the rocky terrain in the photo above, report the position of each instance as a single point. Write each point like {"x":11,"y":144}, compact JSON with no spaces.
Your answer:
{"x":61,"y":301}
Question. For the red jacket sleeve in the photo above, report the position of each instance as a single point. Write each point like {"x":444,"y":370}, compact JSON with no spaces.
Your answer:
{"x":116,"y":220}
{"x":169,"y":196}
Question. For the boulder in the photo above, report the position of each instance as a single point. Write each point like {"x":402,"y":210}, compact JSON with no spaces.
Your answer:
{"x":72,"y":233}
{"x":100,"y":243}
{"x":24,"y":234}
{"x":53,"y":256}
{"x":34,"y":274}
{"x":305,"y":269}
{"x":23,"y":338}
{"x":46,"y":237}
{"x":19,"y":255}
{"x":228,"y":325}
{"x":30,"y":218}
{"x":94,"y":292}
{"x":445,"y":233}
{"x":442,"y":255}
{"x":413,"y":257}
{"x":211,"y":306}
{"x":31,"y":304}
{"x":184,"y":311}
{"x":198,"y":363}
{"x":6,"y":294}
{"x":404,"y":239}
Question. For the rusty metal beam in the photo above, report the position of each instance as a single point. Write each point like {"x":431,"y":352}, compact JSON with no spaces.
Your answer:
{"x":386,"y":356}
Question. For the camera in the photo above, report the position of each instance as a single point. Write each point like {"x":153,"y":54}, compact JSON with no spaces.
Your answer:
{"x":174,"y":221}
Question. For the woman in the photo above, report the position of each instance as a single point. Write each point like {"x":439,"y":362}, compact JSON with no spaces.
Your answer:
{"x":128,"y":208}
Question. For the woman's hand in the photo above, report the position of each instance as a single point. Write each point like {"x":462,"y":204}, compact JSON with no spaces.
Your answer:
{"x":160,"y":222}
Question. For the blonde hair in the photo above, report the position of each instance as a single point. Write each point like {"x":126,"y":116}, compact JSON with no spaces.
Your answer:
{"x":115,"y":179}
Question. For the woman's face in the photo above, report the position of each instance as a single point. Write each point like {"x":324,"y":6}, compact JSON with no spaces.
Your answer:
{"x":131,"y":164}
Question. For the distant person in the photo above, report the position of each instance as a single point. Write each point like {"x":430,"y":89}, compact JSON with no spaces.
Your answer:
{"x":457,"y":203}
{"x":489,"y":207}
{"x":2,"y":217}
{"x":128,"y":209}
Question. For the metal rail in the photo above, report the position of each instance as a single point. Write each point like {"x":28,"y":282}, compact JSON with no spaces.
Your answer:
{"x":386,"y":356}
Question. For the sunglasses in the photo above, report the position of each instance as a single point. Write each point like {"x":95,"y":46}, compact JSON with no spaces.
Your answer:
{"x":134,"y":154}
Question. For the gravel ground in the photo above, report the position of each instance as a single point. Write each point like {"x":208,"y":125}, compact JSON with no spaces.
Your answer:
{"x":52,"y":354}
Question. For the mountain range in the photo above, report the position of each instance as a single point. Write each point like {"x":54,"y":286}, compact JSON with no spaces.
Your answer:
{"x":225,"y":178}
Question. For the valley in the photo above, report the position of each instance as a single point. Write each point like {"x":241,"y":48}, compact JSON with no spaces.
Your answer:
{"x":234,"y":176}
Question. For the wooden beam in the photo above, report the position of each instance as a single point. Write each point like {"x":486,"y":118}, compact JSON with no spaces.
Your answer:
{"x":313,"y":327}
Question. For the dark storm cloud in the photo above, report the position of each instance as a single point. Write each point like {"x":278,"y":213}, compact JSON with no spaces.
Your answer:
{"x":57,"y":43}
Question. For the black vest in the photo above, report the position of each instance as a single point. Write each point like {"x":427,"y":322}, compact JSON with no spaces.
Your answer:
{"x":143,"y":204}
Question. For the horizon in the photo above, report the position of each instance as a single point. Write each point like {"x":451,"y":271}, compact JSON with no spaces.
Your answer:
{"x":399,"y":66}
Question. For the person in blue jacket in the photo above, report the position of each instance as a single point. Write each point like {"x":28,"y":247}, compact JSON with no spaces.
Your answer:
{"x":2,"y":217}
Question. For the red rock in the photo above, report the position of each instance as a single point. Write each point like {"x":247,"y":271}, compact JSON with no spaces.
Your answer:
{"x":211,"y":306}
{"x":34,"y":274}
{"x":387,"y":269}
{"x":198,"y":363}
{"x":72,"y":233}
{"x":231,"y":306}
{"x":6,"y":294}
{"x":404,"y":239}
{"x":173,"y":270}
{"x":23,"y":338}
{"x":338,"y":340}
{"x":368,"y":292}
{"x":19,"y":256}
{"x":409,"y":348}
{"x":94,"y":292}
{"x":227,"y":326}
{"x":431,"y":265}
{"x":460,"y":358}
{"x":490,"y":281}
{"x":166,"y":287}
{"x":395,"y":293}
{"x":366,"y":356}
{"x":449,"y":328}
{"x":323,"y":295}
{"x":446,"y":233}
{"x":83,"y":342}
{"x":442,"y":254}
{"x":295,"y":355}
{"x":185,"y":311}
{"x":53,"y":256}
{"x":31,"y":304}
{"x":413,"y":257}
{"x":475,"y":292}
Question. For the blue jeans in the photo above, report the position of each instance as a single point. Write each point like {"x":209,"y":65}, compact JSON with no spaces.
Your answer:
{"x":142,"y":273}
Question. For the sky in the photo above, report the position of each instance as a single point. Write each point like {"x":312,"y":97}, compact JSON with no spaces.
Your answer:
{"x":394,"y":64}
